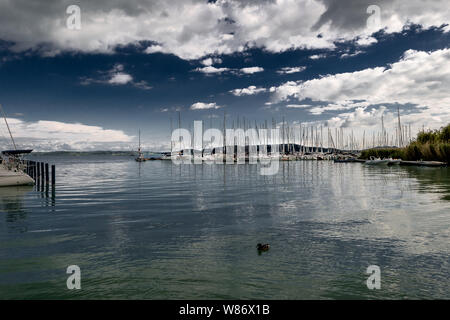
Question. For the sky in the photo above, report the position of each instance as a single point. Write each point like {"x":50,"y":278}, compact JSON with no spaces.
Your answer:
{"x":87,"y":75}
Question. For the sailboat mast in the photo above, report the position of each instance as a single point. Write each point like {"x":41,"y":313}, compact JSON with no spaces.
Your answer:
{"x":7,"y":125}
{"x":400,"y":138}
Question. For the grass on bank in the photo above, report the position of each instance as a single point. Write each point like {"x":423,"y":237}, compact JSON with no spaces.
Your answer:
{"x":429,"y":146}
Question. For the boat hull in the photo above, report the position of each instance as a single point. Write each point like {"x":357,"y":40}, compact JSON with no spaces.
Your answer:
{"x":11,"y":178}
{"x":377,"y":162}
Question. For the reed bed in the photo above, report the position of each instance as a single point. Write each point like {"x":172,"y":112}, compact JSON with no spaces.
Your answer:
{"x":433,"y":145}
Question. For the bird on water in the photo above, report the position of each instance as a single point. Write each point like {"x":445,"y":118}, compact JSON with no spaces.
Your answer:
{"x":262,"y":247}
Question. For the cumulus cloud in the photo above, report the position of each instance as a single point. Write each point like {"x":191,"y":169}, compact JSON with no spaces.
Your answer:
{"x":251,"y":90}
{"x":211,"y":69}
{"x":192,"y":29}
{"x":289,"y":70}
{"x":353,"y":54}
{"x":116,"y":76}
{"x":46,"y":135}
{"x":120,"y":78}
{"x":204,"y":106}
{"x":251,"y":70}
{"x":419,"y":78}
{"x":210,"y":61}
{"x":366,"y":41}
{"x":317,"y":56}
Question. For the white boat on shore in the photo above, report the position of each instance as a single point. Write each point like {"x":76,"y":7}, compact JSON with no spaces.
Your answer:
{"x":377,"y":161}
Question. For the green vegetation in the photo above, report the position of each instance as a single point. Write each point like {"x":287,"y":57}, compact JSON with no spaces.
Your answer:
{"x":428,"y":146}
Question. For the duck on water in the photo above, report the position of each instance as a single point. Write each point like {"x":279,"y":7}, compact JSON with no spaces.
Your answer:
{"x":262,"y":247}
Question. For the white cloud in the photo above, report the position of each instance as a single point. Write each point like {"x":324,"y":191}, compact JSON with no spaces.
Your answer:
{"x":116,"y":76}
{"x":317,"y":56}
{"x":289,"y":70}
{"x":419,"y":78}
{"x":211,"y":69}
{"x":153,"y":49}
{"x":251,"y":70}
{"x":120,"y":78}
{"x":251,"y":90}
{"x":192,"y":29}
{"x":366,"y":41}
{"x":209,"y":61}
{"x":204,"y":106}
{"x":348,"y":55}
{"x":46,"y":135}
{"x":214,"y":70}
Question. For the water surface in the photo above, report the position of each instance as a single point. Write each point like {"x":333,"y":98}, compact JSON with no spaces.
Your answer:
{"x":159,"y":231}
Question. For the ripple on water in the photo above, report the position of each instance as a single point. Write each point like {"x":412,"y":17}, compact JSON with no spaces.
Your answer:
{"x":155,"y":230}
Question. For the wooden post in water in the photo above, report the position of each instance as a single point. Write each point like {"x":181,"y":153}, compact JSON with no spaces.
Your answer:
{"x":38,"y":173}
{"x":53,"y":184}
{"x":42,"y":175}
{"x":33,"y":168}
{"x":47,"y":180}
{"x":53,"y":176}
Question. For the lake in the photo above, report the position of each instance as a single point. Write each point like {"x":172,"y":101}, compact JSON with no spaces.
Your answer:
{"x":156,"y":230}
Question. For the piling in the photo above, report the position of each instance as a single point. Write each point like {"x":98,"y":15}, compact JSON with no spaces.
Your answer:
{"x":38,"y":173}
{"x":33,"y":169}
{"x":42,"y":175}
{"x":47,"y":180}
{"x":53,"y":176}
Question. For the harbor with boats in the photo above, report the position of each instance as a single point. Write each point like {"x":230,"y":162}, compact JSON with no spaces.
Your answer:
{"x":198,"y":224}
{"x":242,"y":141}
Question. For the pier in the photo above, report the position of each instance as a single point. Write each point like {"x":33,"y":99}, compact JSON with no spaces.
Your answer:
{"x":43,"y":174}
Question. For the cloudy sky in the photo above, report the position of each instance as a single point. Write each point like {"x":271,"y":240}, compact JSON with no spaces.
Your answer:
{"x":90,"y":81}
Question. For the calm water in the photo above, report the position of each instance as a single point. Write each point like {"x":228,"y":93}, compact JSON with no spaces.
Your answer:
{"x":159,"y":231}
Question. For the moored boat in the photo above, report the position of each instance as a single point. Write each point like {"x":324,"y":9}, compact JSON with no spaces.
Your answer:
{"x":377,"y":161}
{"x":12,"y":168}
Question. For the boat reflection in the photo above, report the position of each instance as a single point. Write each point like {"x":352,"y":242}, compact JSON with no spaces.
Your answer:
{"x":12,"y":203}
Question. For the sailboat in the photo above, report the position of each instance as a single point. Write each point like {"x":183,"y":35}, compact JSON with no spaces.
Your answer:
{"x":11,"y":166}
{"x":140,"y":157}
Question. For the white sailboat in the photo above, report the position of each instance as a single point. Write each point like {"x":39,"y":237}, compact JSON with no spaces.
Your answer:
{"x":140,"y":157}
{"x":11,"y":166}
